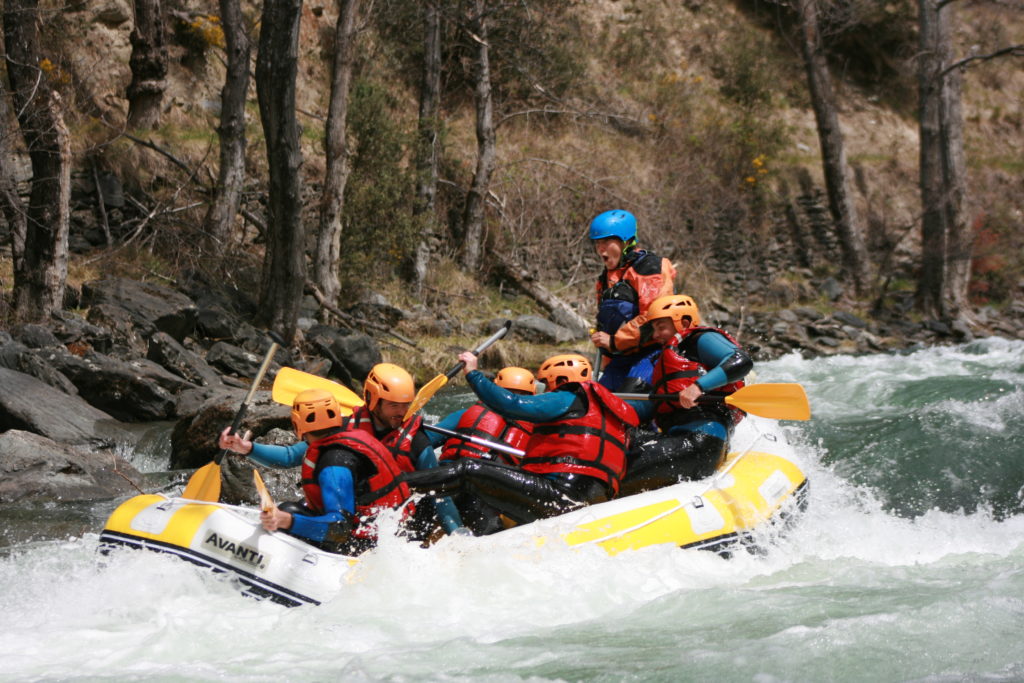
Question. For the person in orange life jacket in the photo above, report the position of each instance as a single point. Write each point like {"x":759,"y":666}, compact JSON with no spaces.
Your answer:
{"x":694,"y":361}
{"x":480,"y":421}
{"x":347,"y":477}
{"x":631,"y":280}
{"x":387,"y":392}
{"x":575,"y":455}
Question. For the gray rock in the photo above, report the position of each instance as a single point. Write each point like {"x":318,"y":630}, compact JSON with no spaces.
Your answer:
{"x":34,"y":467}
{"x":194,"y":440}
{"x":166,"y":309}
{"x":532,"y":328}
{"x":831,"y":289}
{"x":788,"y":316}
{"x":123,"y":329}
{"x":849,"y":319}
{"x":35,"y":336}
{"x":170,"y":354}
{"x":29,"y":404}
{"x":233,"y":360}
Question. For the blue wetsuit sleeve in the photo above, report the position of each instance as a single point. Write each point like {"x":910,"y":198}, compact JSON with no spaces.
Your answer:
{"x":447,"y":513}
{"x":644,"y":409}
{"x":543,"y":408}
{"x":718,"y":353}
{"x":278,"y":456}
{"x":450,"y":422}
{"x":339,"y":496}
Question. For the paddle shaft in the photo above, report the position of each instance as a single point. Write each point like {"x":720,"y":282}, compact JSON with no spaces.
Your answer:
{"x":276,"y":343}
{"x":477,"y":440}
{"x":706,"y":398}
{"x":480,"y":348}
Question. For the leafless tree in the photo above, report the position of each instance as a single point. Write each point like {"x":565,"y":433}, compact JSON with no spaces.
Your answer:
{"x":429,"y":140}
{"x":476,"y":198}
{"x":328,"y":242}
{"x":284,"y":264}
{"x":227,"y":195}
{"x":10,"y":203}
{"x":148,"y":64}
{"x":39,"y":283}
{"x":833,"y":151}
{"x":945,"y":233}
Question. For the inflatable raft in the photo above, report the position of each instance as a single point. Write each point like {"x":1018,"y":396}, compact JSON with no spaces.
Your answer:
{"x":755,"y":489}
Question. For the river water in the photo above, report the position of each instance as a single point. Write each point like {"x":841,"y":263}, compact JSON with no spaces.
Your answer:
{"x":908,"y":565}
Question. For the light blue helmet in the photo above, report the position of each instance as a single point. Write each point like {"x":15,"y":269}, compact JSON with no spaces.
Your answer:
{"x":615,"y":223}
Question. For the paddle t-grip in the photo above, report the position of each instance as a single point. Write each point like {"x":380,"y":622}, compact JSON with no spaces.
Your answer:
{"x":481,"y":348}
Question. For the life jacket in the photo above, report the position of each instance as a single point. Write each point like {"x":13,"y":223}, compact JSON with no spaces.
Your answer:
{"x":383,"y":489}
{"x":593,"y":443}
{"x":675,"y":370}
{"x":480,"y":421}
{"x":618,"y":300}
{"x":517,"y":435}
{"x":398,"y":441}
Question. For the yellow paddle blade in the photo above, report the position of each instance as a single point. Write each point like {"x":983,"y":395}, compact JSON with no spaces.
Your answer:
{"x":779,"y":401}
{"x":289,"y":382}
{"x":204,"y":484}
{"x":425,"y":393}
{"x":266,"y":500}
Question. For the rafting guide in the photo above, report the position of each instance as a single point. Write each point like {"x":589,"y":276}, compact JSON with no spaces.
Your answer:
{"x":632,"y":278}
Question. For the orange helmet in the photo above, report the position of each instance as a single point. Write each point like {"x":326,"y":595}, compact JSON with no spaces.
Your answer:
{"x":388,"y":381}
{"x":313,"y":410}
{"x":569,"y":367}
{"x":677,"y":307}
{"x":516,"y":379}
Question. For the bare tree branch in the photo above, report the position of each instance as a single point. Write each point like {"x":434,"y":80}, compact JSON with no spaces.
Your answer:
{"x":1012,"y":51}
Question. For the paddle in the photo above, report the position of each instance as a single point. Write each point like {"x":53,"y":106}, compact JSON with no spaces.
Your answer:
{"x":428,"y":390}
{"x":266,"y":500}
{"x":504,"y":448}
{"x":204,"y":484}
{"x":779,"y":401}
{"x":290,"y":382}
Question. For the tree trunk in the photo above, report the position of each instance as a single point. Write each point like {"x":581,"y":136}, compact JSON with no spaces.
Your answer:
{"x":10,"y":203}
{"x":148,"y":64}
{"x":476,"y":198}
{"x":945,"y":238}
{"x":39,"y":285}
{"x":284,"y":264}
{"x":328,"y":239}
{"x":833,"y":152}
{"x":227,"y":195}
{"x":429,"y":141}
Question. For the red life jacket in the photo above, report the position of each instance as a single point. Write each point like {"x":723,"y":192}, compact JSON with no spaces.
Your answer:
{"x":517,"y":435}
{"x":384,"y":489}
{"x":673,"y":373}
{"x":480,"y":421}
{"x":398,"y":441}
{"x":593,"y":444}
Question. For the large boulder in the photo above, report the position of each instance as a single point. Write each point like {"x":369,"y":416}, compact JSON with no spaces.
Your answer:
{"x":532,"y":328}
{"x":27,"y":403}
{"x":166,"y":309}
{"x":356,"y":352}
{"x":135,"y":391}
{"x":194,"y":439}
{"x":33,"y":467}
{"x":170,"y":354}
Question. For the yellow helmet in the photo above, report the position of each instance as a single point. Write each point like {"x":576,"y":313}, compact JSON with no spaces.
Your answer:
{"x":569,"y":367}
{"x":516,"y":379}
{"x":313,"y":410}
{"x":677,"y":307}
{"x":388,"y":381}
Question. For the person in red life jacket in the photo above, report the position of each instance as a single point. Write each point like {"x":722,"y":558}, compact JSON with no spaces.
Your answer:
{"x":696,"y":361}
{"x":347,"y":477}
{"x":631,"y":280}
{"x":480,"y":421}
{"x":387,"y":392}
{"x":575,"y":455}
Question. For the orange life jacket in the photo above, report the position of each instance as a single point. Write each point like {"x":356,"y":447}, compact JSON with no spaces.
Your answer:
{"x":593,"y":443}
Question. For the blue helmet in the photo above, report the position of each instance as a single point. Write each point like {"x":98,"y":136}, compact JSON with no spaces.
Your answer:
{"x":615,"y":223}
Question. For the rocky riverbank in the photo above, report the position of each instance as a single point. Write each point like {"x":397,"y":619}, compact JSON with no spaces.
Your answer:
{"x":70,"y":389}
